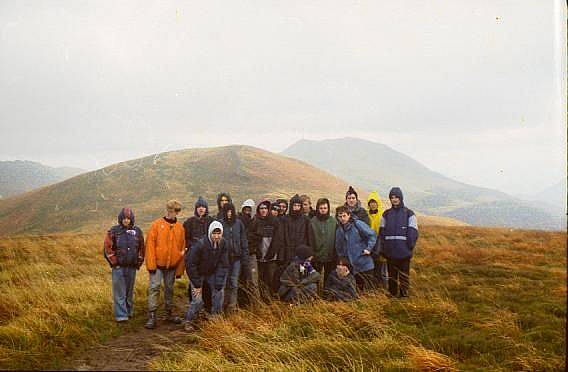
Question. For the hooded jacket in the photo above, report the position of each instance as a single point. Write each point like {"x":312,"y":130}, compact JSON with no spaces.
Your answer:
{"x":219,"y":196}
{"x":279,"y":201}
{"x":375,"y":218}
{"x":264,"y":235}
{"x":340,"y":289}
{"x":196,"y":227}
{"x":245,"y":218}
{"x":296,"y":231}
{"x":165,"y":246}
{"x":234,"y":234}
{"x":124,"y":246}
{"x":323,"y":229}
{"x":351,"y":240}
{"x":398,"y":231}
{"x":205,"y":260}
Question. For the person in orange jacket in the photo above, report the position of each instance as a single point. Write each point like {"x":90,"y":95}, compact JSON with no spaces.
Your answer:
{"x":165,"y":247}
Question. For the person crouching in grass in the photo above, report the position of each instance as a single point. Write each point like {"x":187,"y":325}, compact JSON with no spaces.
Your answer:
{"x":340,"y":284}
{"x":208,"y":263}
{"x":124,"y":251}
{"x":165,"y":248}
{"x":298,"y":282}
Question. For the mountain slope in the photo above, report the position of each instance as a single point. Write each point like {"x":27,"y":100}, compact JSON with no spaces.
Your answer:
{"x":378,"y":167}
{"x":19,"y":176}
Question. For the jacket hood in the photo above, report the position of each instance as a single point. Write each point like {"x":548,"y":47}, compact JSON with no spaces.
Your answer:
{"x":220,"y":195}
{"x":295,"y":200}
{"x":214,"y":225}
{"x":126,"y":212}
{"x":374,"y":196}
{"x":248,"y":203}
{"x":201,"y":203}
{"x":265,"y":202}
{"x":320,"y":202}
{"x":226,"y":208}
{"x":282,"y":201}
{"x":397,"y":192}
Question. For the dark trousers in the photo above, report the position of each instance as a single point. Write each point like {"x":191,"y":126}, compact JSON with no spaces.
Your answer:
{"x":399,"y":276}
{"x":327,"y":267}
{"x":266,"y":279}
{"x":366,"y":280}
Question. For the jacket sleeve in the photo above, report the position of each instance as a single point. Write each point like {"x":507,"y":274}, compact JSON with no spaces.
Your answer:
{"x":364,"y":216}
{"x":141,"y":248}
{"x":187,"y":234}
{"x":244,"y":240}
{"x":339,"y":244}
{"x":108,"y":251}
{"x":368,"y":233}
{"x":310,"y":235}
{"x":151,"y":249}
{"x":222,"y":271}
{"x":193,"y":265}
{"x":252,"y":238}
{"x":181,"y":246}
{"x":314,"y":277}
{"x":412,"y":232}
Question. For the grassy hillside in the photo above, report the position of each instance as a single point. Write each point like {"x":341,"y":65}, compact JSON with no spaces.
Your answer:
{"x":480,"y":299}
{"x":375,"y":166}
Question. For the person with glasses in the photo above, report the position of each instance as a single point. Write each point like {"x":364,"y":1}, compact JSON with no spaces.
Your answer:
{"x":165,"y":248}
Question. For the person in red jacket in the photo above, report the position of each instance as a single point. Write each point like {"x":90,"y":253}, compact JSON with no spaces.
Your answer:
{"x":165,"y":248}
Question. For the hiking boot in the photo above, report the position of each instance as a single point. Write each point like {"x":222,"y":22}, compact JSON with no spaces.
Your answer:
{"x":151,"y":323}
{"x":188,"y":326}
{"x":172,"y":318}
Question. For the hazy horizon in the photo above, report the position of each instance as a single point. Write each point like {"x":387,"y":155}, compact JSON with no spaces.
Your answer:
{"x":474,"y":91}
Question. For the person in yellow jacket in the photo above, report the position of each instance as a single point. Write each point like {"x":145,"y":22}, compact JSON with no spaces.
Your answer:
{"x":375,"y":215}
{"x":165,"y":247}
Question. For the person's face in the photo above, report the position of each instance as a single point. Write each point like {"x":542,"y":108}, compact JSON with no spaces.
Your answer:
{"x":275,"y":212}
{"x":395,"y":200}
{"x":224,"y":200}
{"x":343,"y":217}
{"x":373,"y":205}
{"x":306,"y":204}
{"x":342,"y":270}
{"x":126,"y":222}
{"x":173,"y":212}
{"x":263,"y":210}
{"x":229,"y":213}
{"x":216,"y":236}
{"x":296,"y":207}
{"x":351,"y":200}
{"x":323,"y":209}
{"x":283,"y":208}
{"x":201,"y":211}
{"x":247,"y":210}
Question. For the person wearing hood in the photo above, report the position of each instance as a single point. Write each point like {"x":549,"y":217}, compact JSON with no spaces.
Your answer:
{"x":356,"y":241}
{"x":249,"y":267}
{"x":235,"y":238}
{"x":124,"y":251}
{"x":275,"y":209}
{"x":298,"y":282}
{"x":398,"y":233}
{"x":353,"y":203}
{"x":323,"y":230}
{"x":283,"y":203}
{"x":246,"y":212}
{"x":375,"y":214}
{"x":222,"y":199}
{"x":165,"y":249}
{"x":264,"y":240}
{"x":340,"y":284}
{"x":296,"y":231}
{"x":307,"y":206}
{"x":208,"y":263}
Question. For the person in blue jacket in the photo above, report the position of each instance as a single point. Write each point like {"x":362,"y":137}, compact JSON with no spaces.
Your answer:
{"x":208,"y":263}
{"x":398,"y":233}
{"x":355,"y":240}
{"x":235,"y":237}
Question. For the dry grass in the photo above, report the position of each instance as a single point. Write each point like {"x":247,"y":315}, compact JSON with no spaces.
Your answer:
{"x":481,"y":298}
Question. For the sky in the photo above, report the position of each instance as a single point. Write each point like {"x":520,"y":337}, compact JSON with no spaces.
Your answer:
{"x":473,"y":90}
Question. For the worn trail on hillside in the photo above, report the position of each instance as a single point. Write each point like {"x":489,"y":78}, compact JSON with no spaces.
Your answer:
{"x":133,"y":350}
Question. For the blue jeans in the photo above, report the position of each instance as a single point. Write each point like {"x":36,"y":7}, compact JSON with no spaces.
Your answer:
{"x":123,"y":279}
{"x":217,"y":296}
{"x":169,"y":278}
{"x":233,"y":283}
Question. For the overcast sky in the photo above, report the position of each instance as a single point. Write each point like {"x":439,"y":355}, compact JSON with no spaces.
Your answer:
{"x":472,"y":89}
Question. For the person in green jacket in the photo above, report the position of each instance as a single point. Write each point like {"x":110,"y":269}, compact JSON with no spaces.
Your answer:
{"x":323,"y":230}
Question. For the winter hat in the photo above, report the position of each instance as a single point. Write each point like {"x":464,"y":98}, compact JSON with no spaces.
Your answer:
{"x":275,"y":206}
{"x":248,"y":203}
{"x":304,"y":252}
{"x":351,"y":191}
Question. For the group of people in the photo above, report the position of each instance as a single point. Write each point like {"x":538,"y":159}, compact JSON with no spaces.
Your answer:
{"x":266,"y":251}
